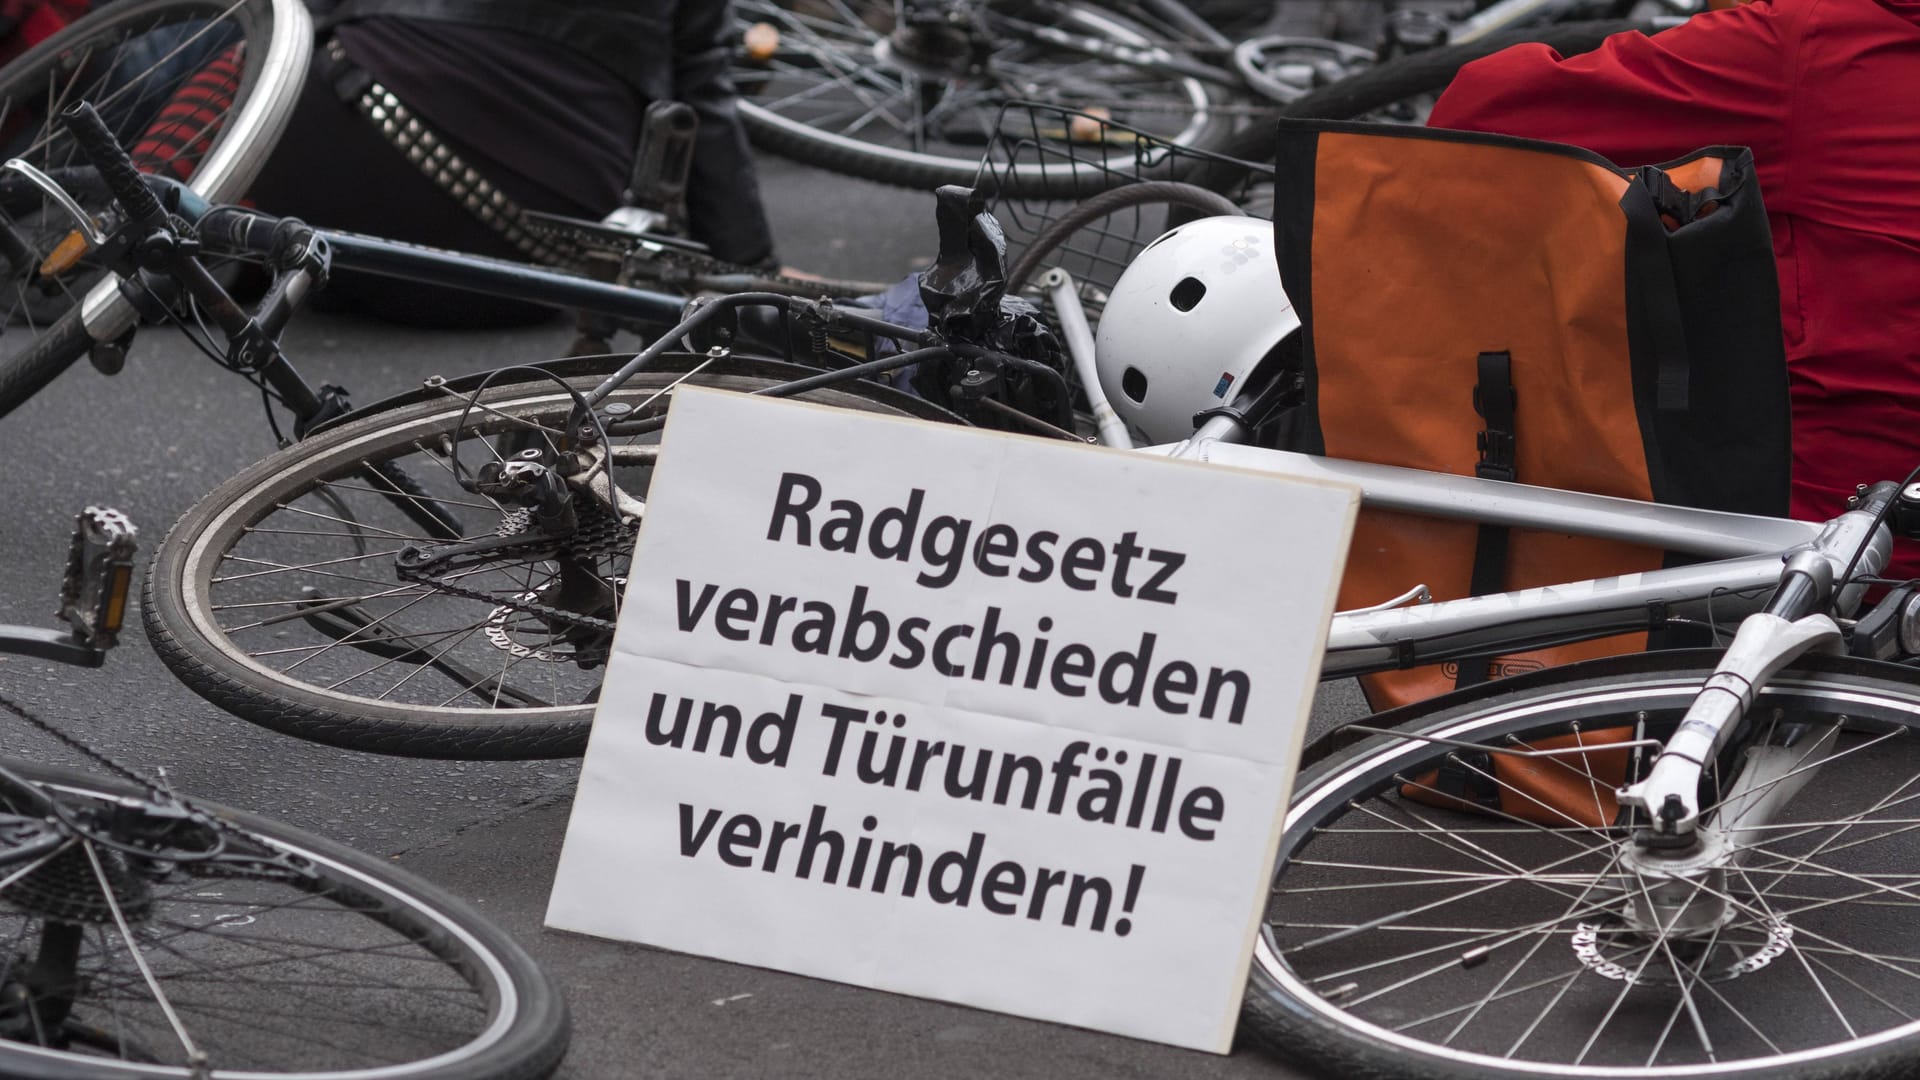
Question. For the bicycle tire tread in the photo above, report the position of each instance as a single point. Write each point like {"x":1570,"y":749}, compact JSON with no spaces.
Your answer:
{"x":502,"y":742}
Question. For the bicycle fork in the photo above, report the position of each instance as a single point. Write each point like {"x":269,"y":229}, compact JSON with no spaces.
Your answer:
{"x":1681,"y":861}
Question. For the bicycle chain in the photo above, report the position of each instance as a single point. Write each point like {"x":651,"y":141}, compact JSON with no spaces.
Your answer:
{"x":692,"y":266}
{"x":98,"y":757}
{"x":159,"y":794}
{"x":597,"y":537}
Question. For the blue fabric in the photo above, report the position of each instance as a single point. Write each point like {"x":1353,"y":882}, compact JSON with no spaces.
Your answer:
{"x":901,"y":305}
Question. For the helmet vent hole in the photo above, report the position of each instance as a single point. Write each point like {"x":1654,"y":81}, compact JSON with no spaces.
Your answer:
{"x":1188,"y":293}
{"x":1133,"y":383}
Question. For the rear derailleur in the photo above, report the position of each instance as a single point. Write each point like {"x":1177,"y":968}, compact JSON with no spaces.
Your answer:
{"x":565,"y":510}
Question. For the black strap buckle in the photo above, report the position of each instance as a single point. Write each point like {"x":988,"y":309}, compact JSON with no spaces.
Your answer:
{"x":1496,"y":456}
{"x":1494,"y":399}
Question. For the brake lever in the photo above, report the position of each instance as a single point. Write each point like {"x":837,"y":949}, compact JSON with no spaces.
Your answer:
{"x":87,"y":226}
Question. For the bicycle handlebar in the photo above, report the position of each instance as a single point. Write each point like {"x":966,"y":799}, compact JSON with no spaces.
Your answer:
{"x":237,"y":229}
{"x":104,"y":151}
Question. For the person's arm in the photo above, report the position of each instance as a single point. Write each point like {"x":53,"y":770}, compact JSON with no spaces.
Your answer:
{"x":1722,"y":78}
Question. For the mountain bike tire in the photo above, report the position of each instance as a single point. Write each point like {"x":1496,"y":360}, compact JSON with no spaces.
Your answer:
{"x":1075,"y":172}
{"x":44,"y":326}
{"x":1368,"y":965}
{"x":231,"y":944}
{"x":431,"y":672}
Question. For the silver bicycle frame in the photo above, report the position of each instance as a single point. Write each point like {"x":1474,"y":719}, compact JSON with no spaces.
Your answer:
{"x":1752,"y":553}
{"x":1751,"y":550}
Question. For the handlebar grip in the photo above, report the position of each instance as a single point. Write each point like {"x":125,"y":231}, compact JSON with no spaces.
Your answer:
{"x":104,"y":151}
{"x":234,"y":230}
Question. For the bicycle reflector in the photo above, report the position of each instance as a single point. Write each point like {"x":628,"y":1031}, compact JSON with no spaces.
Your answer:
{"x":65,"y":254}
{"x":93,"y":596}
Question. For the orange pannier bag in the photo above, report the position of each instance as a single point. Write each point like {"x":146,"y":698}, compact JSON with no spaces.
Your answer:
{"x":1526,"y":311}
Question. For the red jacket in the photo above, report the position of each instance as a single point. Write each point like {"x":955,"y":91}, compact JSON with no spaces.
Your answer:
{"x":1827,"y":93}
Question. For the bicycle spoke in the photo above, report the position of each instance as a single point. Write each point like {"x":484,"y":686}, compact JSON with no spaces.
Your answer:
{"x":305,"y":606}
{"x":359,"y":630}
{"x":283,"y":568}
{"x":1505,"y":938}
{"x":456,"y":643}
{"x":1663,"y":940}
{"x":343,"y":521}
{"x":1514,"y":969}
{"x":1814,"y":977}
{"x":390,"y":495}
{"x":133,"y":952}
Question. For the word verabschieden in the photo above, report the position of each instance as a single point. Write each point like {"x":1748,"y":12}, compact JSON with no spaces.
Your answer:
{"x":1081,"y":780}
{"x":982,"y":649}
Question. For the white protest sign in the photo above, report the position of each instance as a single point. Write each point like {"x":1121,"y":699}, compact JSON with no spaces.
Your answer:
{"x":977,"y":717}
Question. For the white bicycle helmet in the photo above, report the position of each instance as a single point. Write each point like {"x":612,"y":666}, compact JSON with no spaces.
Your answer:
{"x":1190,"y":318}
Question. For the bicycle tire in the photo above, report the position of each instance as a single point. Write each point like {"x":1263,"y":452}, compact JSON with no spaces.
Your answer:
{"x":185,"y":594}
{"x":1318,"y":996}
{"x":523,"y":1038}
{"x":1424,"y":72}
{"x":51,"y":353}
{"x":275,"y":38}
{"x":1172,"y":193}
{"x":1071,"y":174}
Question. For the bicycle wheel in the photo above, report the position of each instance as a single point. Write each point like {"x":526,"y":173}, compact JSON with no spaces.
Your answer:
{"x":1409,"y":940}
{"x":278,"y":597}
{"x":1404,"y":89}
{"x":257,"y":951}
{"x":842,"y":87}
{"x":198,"y":90}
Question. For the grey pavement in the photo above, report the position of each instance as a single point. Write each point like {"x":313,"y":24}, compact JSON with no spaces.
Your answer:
{"x":155,"y":438}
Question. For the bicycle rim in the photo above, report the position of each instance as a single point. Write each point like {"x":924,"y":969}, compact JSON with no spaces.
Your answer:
{"x":1457,"y":944}
{"x":288,"y":957}
{"x":836,"y":94}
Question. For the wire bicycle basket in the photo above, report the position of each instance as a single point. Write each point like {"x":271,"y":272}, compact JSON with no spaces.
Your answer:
{"x":1078,"y":218}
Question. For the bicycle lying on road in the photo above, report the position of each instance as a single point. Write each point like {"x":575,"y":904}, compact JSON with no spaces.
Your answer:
{"x":152,"y":935}
{"x":909,"y":93}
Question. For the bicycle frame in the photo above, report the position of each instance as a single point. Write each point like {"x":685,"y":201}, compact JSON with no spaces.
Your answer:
{"x":1777,"y":576}
{"x":1750,"y":551}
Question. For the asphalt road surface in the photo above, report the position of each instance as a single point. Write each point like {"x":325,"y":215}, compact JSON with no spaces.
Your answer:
{"x":155,"y":438}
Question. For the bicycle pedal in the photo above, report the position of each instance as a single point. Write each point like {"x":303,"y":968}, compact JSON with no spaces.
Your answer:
{"x":93,"y":594}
